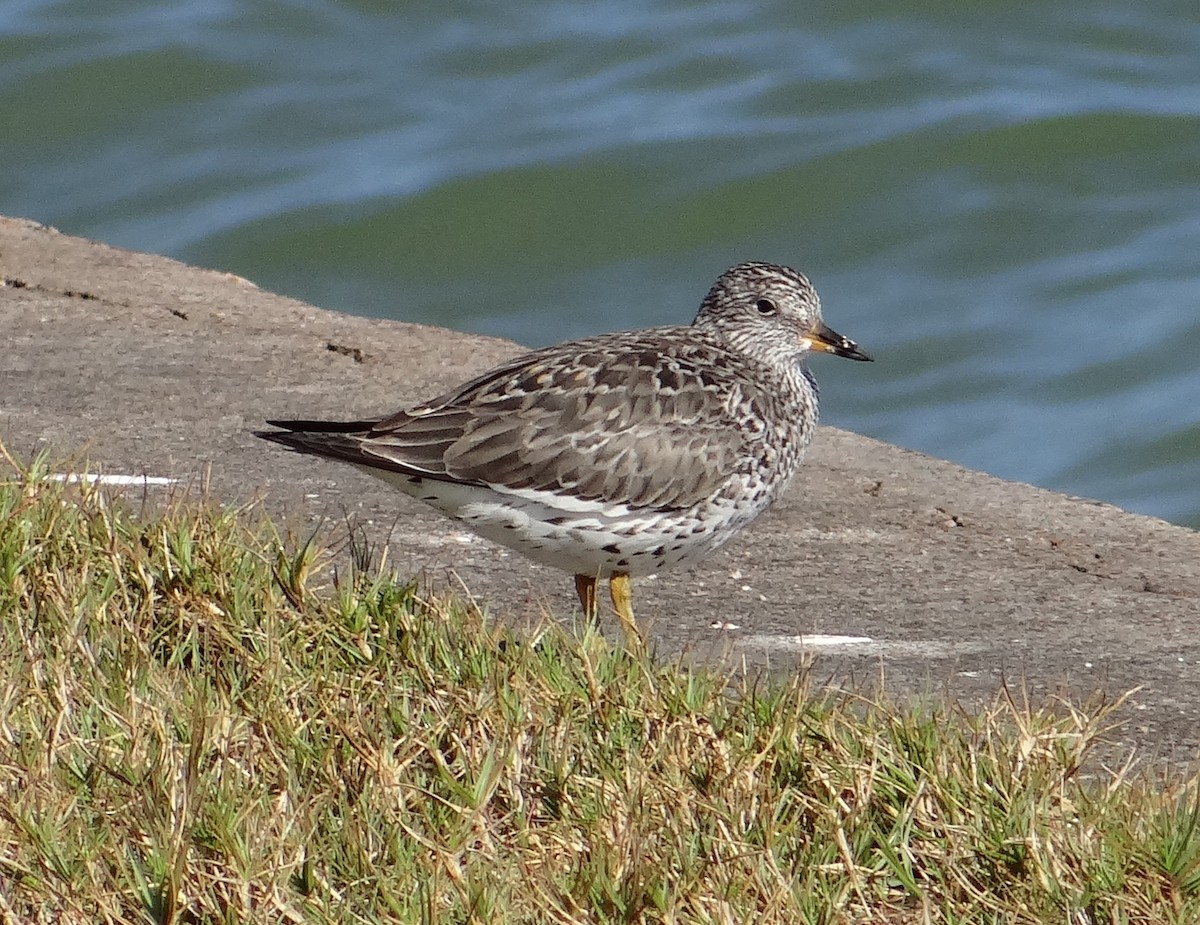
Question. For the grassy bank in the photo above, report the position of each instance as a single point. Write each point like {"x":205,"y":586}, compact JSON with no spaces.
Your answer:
{"x":194,"y":729}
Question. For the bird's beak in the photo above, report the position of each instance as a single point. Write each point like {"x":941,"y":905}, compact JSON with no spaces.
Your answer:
{"x":826,"y":340}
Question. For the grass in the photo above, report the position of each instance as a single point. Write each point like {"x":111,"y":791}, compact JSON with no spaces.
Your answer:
{"x":193,"y":729}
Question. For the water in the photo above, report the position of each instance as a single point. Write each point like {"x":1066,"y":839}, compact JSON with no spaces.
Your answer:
{"x":1000,"y":201}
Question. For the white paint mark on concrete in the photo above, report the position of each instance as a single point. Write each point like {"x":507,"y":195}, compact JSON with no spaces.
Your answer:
{"x":820,"y":639}
{"x":120,"y":481}
{"x":807,"y":641}
{"x":864,"y":645}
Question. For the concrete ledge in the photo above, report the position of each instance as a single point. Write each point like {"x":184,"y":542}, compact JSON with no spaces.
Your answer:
{"x":948,"y":578}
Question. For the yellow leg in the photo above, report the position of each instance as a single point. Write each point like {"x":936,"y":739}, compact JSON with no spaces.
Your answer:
{"x":585,"y":587}
{"x":620,"y":589}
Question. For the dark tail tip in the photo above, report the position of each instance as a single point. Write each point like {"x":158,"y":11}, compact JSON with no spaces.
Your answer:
{"x":320,"y":427}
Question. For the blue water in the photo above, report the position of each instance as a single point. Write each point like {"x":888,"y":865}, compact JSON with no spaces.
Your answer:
{"x":1002,"y":204}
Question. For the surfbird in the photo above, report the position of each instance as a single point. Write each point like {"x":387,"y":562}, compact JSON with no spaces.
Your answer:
{"x":621,"y":454}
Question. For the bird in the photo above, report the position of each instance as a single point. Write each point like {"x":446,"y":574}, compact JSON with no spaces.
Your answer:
{"x":617,"y":455}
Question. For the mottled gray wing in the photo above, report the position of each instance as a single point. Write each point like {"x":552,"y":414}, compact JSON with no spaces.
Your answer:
{"x":649,"y":424}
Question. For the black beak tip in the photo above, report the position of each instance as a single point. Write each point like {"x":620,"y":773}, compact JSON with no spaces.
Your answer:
{"x":845,"y":347}
{"x":832,"y":342}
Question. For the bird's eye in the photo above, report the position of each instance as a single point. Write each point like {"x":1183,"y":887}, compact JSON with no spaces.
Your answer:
{"x":766,"y":307}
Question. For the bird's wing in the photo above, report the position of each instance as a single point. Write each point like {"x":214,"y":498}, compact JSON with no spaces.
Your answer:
{"x":646,"y":426}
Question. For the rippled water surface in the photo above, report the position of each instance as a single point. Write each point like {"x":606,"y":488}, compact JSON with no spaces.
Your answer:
{"x":1002,"y":204}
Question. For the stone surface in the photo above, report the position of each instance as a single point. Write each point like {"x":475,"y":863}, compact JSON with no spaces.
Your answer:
{"x":954,"y":580}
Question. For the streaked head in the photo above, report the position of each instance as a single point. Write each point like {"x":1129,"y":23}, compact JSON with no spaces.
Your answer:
{"x":771,"y":312}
